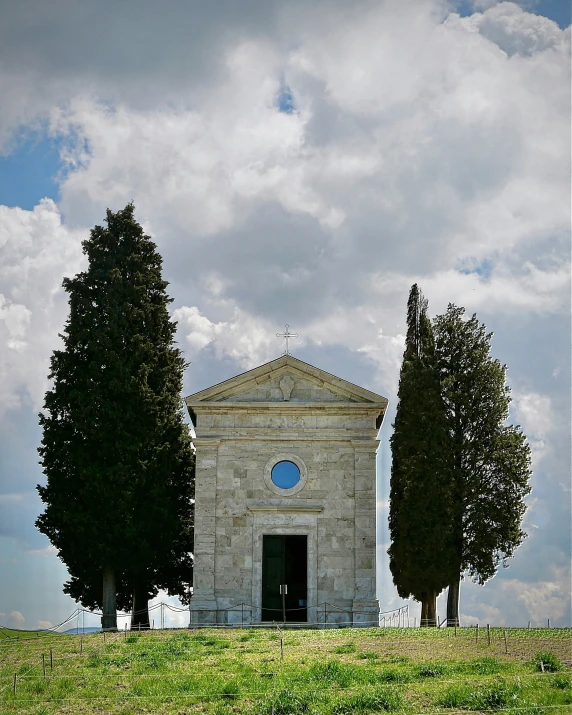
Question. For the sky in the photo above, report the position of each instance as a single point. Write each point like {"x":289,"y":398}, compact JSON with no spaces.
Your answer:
{"x":299,"y":163}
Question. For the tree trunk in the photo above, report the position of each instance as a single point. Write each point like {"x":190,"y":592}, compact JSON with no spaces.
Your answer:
{"x":140,"y":614}
{"x":453,"y":595}
{"x":109,"y":617}
{"x":429,"y":609}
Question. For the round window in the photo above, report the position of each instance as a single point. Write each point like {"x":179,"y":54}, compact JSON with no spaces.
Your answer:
{"x":285,"y":475}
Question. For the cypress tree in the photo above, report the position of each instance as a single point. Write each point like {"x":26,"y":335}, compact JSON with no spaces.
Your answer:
{"x":491,"y":460}
{"x":420,"y":521}
{"x":115,"y":449}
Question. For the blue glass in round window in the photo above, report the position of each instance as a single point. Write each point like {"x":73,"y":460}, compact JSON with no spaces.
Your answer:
{"x":285,"y":475}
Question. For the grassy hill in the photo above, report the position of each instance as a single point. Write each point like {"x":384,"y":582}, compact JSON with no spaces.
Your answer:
{"x":12,"y":633}
{"x":266,"y":671}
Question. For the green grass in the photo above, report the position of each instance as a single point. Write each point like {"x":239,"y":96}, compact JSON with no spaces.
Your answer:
{"x":330,"y":672}
{"x":13,"y":634}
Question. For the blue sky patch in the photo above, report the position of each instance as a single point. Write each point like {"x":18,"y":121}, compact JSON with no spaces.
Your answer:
{"x":285,"y":101}
{"x":482,"y":269}
{"x":29,"y":173}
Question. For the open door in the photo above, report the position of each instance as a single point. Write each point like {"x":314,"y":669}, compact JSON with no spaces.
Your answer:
{"x":285,"y":562}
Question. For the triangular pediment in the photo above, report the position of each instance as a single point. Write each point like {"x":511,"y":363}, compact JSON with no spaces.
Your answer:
{"x":286,"y":379}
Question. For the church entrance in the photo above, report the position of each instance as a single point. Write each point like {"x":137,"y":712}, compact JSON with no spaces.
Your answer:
{"x":285,"y":568}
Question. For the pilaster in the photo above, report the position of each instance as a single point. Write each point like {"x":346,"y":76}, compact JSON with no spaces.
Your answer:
{"x":365,"y":604}
{"x":203,"y":602}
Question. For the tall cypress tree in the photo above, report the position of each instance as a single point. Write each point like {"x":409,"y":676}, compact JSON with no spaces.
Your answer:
{"x":115,"y":449}
{"x":491,"y":460}
{"x":420,"y":553}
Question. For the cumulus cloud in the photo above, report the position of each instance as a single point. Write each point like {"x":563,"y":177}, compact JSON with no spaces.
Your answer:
{"x":543,"y":600}
{"x":242,"y":337}
{"x":36,"y":251}
{"x":447,"y":146}
{"x":534,"y":412}
{"x":16,"y":620}
{"x":513,"y":29}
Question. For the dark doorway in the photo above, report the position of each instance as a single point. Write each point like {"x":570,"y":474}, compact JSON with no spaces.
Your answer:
{"x":285,"y":561}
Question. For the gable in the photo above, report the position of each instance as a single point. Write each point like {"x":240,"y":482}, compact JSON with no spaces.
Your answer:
{"x":287,"y":379}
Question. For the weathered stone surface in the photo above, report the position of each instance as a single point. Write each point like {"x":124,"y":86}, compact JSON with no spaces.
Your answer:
{"x":285,"y":409}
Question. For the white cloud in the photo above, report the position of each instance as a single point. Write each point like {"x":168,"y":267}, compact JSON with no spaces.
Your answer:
{"x":516,"y":31}
{"x":36,"y":251}
{"x":44,"y":625}
{"x":450,"y":147}
{"x":507,"y":290}
{"x":16,"y":620}
{"x":10,"y":498}
{"x":43,"y":553}
{"x":16,"y":319}
{"x":242,"y":337}
{"x":550,"y":599}
{"x":534,"y":413}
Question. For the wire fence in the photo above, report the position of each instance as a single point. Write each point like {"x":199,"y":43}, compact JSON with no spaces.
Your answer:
{"x":243,"y":614}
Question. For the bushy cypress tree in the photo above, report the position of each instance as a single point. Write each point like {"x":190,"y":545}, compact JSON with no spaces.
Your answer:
{"x":420,"y":518}
{"x":491,"y":460}
{"x":115,"y":449}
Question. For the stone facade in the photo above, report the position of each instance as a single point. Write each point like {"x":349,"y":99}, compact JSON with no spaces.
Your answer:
{"x":285,"y":410}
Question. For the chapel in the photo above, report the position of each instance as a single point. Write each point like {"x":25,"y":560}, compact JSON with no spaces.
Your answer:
{"x":285,"y":503}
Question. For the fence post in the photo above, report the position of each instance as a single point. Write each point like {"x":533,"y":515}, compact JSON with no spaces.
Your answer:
{"x":488,"y":634}
{"x":51,"y":659}
{"x":549,"y":622}
{"x":477,"y":634}
{"x":15,"y":678}
{"x":281,"y":647}
{"x":44,"y":664}
{"x":283,"y":588}
{"x":81,"y":645}
{"x":505,"y":644}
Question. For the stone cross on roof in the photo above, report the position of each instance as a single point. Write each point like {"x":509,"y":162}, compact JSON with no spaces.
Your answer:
{"x":287,"y":335}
